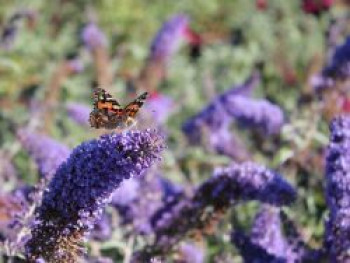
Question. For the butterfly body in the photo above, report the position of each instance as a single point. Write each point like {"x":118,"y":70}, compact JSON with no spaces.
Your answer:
{"x":108,"y":113}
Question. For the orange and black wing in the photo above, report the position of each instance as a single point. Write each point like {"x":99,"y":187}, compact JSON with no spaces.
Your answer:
{"x":133,"y":107}
{"x":103,"y":100}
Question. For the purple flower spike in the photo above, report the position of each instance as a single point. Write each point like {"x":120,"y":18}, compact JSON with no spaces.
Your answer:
{"x":297,"y":250}
{"x":12,"y":208}
{"x":255,"y":113}
{"x":47,"y":153}
{"x":247,"y":181}
{"x":211,"y":125}
{"x":8,"y":36}
{"x":267,"y":232}
{"x":147,"y":200}
{"x":126,"y":193}
{"x":169,"y":37}
{"x":252,"y":252}
{"x":190,"y":253}
{"x":79,"y":113}
{"x":210,"y":120}
{"x":82,"y":187}
{"x":215,"y":117}
{"x":320,"y":82}
{"x":138,"y":202}
{"x":102,"y":229}
{"x":246,"y":88}
{"x":161,"y":107}
{"x":75,"y":65}
{"x":338,"y":190}
{"x":339,"y":66}
{"x":170,"y":190}
{"x":226,"y":142}
{"x":93,"y":37}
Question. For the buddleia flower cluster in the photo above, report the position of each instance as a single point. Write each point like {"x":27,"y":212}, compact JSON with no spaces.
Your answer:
{"x":127,"y":192}
{"x":163,"y":47}
{"x":169,"y":37}
{"x":47,"y":152}
{"x":214,"y":117}
{"x":337,"y":68}
{"x":337,"y":241}
{"x":93,"y":37}
{"x":136,"y":209}
{"x":75,"y":65}
{"x":339,"y":65}
{"x":79,"y":113}
{"x":235,"y":105}
{"x":102,"y":229}
{"x":267,"y":231}
{"x":292,"y":247}
{"x":12,"y":207}
{"x":296,"y":247}
{"x":138,"y":200}
{"x":82,"y":186}
{"x":245,"y":182}
{"x":252,"y":252}
{"x":255,"y":113}
{"x":190,"y":252}
{"x":273,"y":238}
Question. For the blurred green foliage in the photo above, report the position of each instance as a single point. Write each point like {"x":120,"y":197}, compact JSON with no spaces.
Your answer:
{"x":281,"y":37}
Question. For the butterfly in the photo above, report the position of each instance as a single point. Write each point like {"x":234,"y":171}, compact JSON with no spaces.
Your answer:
{"x":109,"y":114}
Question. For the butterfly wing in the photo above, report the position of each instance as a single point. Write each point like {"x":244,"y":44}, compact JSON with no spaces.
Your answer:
{"x":108,"y":113}
{"x":105,"y":108}
{"x":133,"y":107}
{"x":104,"y":101}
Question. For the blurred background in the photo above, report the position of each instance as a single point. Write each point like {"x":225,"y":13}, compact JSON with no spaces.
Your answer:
{"x":268,"y":63}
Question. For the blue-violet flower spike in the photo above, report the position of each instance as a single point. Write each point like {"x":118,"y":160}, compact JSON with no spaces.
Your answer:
{"x":255,"y":113}
{"x":169,"y":37}
{"x":48,"y":153}
{"x":79,"y":113}
{"x":93,"y":37}
{"x":181,"y":217}
{"x":338,"y":190}
{"x":251,"y":252}
{"x":82,"y":187}
{"x":339,"y":66}
{"x":267,"y":232}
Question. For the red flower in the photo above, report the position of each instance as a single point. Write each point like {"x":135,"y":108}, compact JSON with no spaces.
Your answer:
{"x":195,"y":42}
{"x":346,"y":105}
{"x":154,"y":95}
{"x":316,"y":6}
{"x":192,"y":37}
{"x":261,"y":4}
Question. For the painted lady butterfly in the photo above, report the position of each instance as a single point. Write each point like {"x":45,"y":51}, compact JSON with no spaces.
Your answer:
{"x":109,"y":114}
